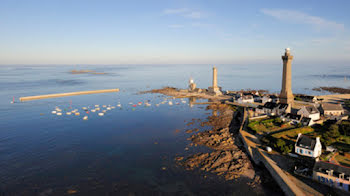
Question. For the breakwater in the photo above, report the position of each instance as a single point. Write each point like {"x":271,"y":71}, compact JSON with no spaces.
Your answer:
{"x":29,"y":98}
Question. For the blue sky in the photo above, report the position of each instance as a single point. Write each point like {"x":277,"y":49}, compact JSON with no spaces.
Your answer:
{"x":171,"y":32}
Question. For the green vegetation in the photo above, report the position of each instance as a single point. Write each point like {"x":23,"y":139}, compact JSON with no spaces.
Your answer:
{"x":297,"y":99}
{"x":344,"y":128}
{"x":267,"y":125}
{"x":284,"y":141}
{"x":330,"y":135}
{"x":282,"y":146}
{"x":293,"y":133}
{"x":347,"y":103}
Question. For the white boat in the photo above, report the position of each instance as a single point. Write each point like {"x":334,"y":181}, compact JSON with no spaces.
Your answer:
{"x":69,"y":113}
{"x":104,"y":111}
{"x":85,"y":118}
{"x":96,"y":106}
{"x":59,"y":113}
{"x":170,"y":103}
{"x":77,"y":113}
{"x":108,"y":108}
{"x":54,"y":112}
{"x":119,"y":105}
{"x":93,"y":110}
{"x":101,"y":114}
{"x":104,"y":106}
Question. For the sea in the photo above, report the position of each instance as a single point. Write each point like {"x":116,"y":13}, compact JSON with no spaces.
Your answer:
{"x":131,"y":149}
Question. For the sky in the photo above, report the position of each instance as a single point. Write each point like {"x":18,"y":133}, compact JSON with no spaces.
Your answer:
{"x":173,"y":31}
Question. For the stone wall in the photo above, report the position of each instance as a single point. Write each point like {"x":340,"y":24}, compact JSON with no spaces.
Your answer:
{"x":261,"y":157}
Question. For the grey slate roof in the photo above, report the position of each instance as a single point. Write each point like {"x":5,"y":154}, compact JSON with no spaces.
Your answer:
{"x":270,"y":105}
{"x":306,"y":142}
{"x":329,"y":106}
{"x":322,"y":166}
{"x":293,"y":116}
{"x":282,"y":106}
{"x":312,"y":109}
{"x":305,"y":120}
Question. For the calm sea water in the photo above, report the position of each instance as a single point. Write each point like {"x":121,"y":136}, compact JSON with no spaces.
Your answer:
{"x":122,"y":152}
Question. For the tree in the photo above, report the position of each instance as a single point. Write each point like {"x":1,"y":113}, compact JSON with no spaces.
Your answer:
{"x":331,"y":135}
{"x":334,"y":131}
{"x":282,"y":146}
{"x":344,"y":128}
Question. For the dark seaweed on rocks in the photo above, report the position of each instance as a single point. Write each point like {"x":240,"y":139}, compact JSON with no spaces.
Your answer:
{"x":226,"y":159}
{"x":333,"y":89}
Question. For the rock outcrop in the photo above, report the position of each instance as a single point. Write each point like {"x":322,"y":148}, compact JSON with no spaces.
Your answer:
{"x":227,"y":159}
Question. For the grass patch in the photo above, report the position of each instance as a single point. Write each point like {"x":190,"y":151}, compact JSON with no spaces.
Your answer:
{"x":293,"y":133}
{"x":267,"y":125}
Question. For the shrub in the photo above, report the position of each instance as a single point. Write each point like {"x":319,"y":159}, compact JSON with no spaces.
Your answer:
{"x":344,"y":128}
{"x":331,"y":135}
{"x":282,"y":146}
{"x":278,"y":121}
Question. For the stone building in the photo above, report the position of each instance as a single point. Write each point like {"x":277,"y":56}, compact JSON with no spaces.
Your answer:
{"x":333,"y":175}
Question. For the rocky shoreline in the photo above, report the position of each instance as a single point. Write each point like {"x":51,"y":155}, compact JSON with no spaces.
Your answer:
{"x":226,"y":158}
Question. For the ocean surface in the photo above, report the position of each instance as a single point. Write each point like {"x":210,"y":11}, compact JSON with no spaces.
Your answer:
{"x":130,"y":150}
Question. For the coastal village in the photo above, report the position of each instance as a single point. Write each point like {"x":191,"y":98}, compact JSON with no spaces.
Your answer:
{"x":302,"y":140}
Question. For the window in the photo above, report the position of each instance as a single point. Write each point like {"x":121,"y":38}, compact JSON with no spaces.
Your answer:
{"x":309,"y":152}
{"x":301,"y":151}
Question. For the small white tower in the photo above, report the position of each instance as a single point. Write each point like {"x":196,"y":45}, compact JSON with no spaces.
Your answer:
{"x":191,"y":85}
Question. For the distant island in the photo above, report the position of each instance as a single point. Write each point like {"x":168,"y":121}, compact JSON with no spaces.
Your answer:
{"x":86,"y":71}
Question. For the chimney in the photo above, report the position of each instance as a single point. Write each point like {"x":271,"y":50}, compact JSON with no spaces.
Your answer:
{"x":299,"y":134}
{"x":317,"y":139}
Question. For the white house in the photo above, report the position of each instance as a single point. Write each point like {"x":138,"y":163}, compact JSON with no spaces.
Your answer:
{"x":245,"y":99}
{"x":310,"y":112}
{"x":307,"y":146}
{"x":272,"y":109}
{"x":266,"y":99}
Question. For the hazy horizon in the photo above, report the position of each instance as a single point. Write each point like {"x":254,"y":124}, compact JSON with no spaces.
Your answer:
{"x":172,"y":32}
